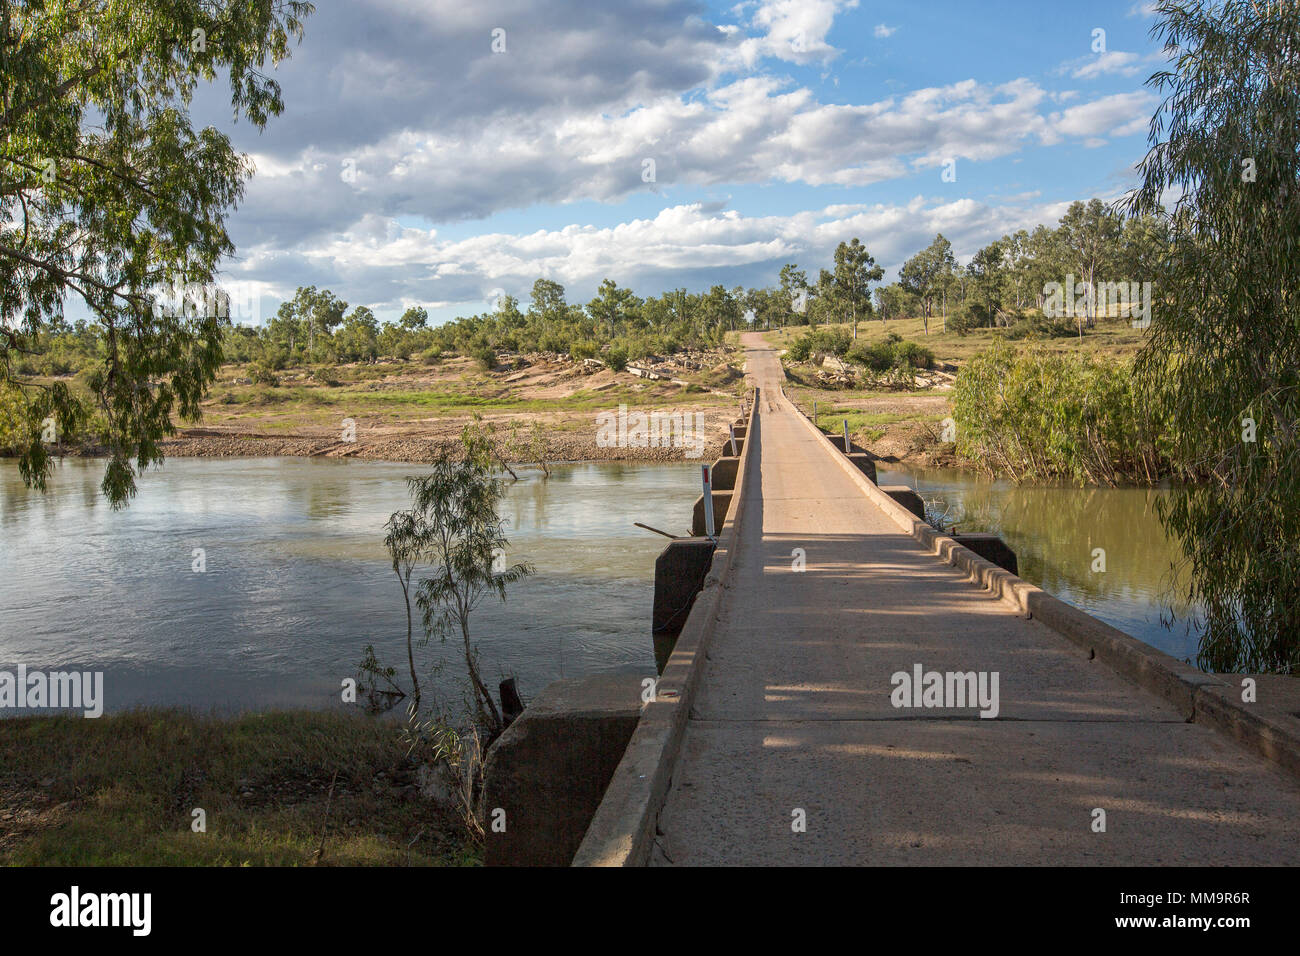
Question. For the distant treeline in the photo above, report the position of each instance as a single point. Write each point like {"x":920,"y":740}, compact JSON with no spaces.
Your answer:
{"x":1002,"y":283}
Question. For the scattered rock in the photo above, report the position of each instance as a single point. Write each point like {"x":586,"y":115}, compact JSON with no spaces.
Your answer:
{"x":436,"y":783}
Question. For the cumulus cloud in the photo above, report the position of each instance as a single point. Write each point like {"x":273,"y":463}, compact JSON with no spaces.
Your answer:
{"x":793,"y":30}
{"x":1121,"y":114}
{"x":443,"y":112}
{"x":755,"y":130}
{"x":883,"y":32}
{"x":391,"y":267}
{"x":1112,"y":61}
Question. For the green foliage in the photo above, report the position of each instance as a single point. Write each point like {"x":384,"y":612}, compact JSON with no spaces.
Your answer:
{"x":891,"y":353}
{"x":1223,"y":354}
{"x":616,"y":358}
{"x":453,"y":537}
{"x":261,"y":375}
{"x":835,"y":341}
{"x":800,"y":350}
{"x":463,"y":543}
{"x":108,"y":193}
{"x":1033,"y":416}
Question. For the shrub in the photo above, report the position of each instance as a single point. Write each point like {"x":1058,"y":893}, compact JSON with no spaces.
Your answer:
{"x":1036,"y":416}
{"x":891,"y":353}
{"x":261,"y":375}
{"x":835,"y":341}
{"x":877,"y":356}
{"x":913,"y":354}
{"x":1038,"y":326}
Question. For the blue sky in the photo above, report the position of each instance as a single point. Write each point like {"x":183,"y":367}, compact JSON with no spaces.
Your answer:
{"x":426,"y":157}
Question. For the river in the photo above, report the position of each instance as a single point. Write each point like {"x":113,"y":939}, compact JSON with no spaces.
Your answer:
{"x":295,"y":579}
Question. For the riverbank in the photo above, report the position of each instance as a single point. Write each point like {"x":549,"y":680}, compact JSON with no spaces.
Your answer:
{"x":286,"y":788}
{"x":537,"y":406}
{"x":904,"y":428}
{"x":906,"y":425}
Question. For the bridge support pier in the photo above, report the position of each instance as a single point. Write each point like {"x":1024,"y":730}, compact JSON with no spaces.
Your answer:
{"x":550,"y":769}
{"x":906,"y":497}
{"x":991,"y":548}
{"x":724,"y":473}
{"x":865,"y":465}
{"x":680,"y":570}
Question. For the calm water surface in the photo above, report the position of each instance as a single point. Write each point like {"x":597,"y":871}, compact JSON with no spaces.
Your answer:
{"x":1054,"y":531}
{"x":297,"y":580}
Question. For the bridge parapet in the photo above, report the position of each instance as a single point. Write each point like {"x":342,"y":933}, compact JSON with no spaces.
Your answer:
{"x":622,"y":830}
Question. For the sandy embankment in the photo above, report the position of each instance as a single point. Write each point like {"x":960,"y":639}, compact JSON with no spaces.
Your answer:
{"x":384,"y":429}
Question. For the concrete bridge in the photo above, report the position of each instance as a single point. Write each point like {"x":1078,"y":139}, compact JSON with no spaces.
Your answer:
{"x":779,"y":732}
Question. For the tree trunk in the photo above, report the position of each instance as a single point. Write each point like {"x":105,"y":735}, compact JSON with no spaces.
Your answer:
{"x":487,"y":707}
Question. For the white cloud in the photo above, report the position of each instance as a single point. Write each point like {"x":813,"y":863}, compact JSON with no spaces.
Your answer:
{"x":1112,"y":61}
{"x":882,"y":32}
{"x":1121,"y":114}
{"x":391,"y":267}
{"x":757,"y":130}
{"x":431,"y":126}
{"x":793,"y":30}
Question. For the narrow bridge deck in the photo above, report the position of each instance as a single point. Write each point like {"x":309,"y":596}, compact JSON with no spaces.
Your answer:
{"x":794,"y":711}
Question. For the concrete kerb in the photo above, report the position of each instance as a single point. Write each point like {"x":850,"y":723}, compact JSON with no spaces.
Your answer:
{"x":622,"y":831}
{"x":1198,"y":696}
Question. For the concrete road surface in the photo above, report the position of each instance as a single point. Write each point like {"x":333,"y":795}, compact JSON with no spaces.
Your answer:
{"x":795,"y":754}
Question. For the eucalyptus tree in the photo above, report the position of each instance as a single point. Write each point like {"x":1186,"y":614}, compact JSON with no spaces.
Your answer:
{"x":824,"y":306}
{"x":414,"y":318}
{"x":923,"y":275}
{"x":1223,"y":351}
{"x":108,"y":193}
{"x":454,"y":535}
{"x":987,"y":271}
{"x":793,"y":294}
{"x":1089,"y":235}
{"x":612,"y":306}
{"x":855,"y":270}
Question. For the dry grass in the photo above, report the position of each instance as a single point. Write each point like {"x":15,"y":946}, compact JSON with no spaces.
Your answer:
{"x":121,"y":790}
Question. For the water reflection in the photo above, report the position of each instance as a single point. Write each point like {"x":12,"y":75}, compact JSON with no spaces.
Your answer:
{"x":297,"y":580}
{"x":1056,"y":530}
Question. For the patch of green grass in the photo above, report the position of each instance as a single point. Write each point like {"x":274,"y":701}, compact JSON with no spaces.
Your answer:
{"x":311,"y":399}
{"x":121,"y":790}
{"x":830,"y":418}
{"x":1112,"y":337}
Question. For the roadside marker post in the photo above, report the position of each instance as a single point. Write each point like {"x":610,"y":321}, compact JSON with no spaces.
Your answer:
{"x":734,"y":453}
{"x":708,"y":500}
{"x":846,"y":436}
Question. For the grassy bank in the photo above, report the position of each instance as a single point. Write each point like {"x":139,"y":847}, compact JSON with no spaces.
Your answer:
{"x":1112,"y":337}
{"x":906,"y":424}
{"x":121,"y":790}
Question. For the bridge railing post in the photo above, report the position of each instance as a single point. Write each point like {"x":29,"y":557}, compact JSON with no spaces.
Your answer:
{"x":707,"y":480}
